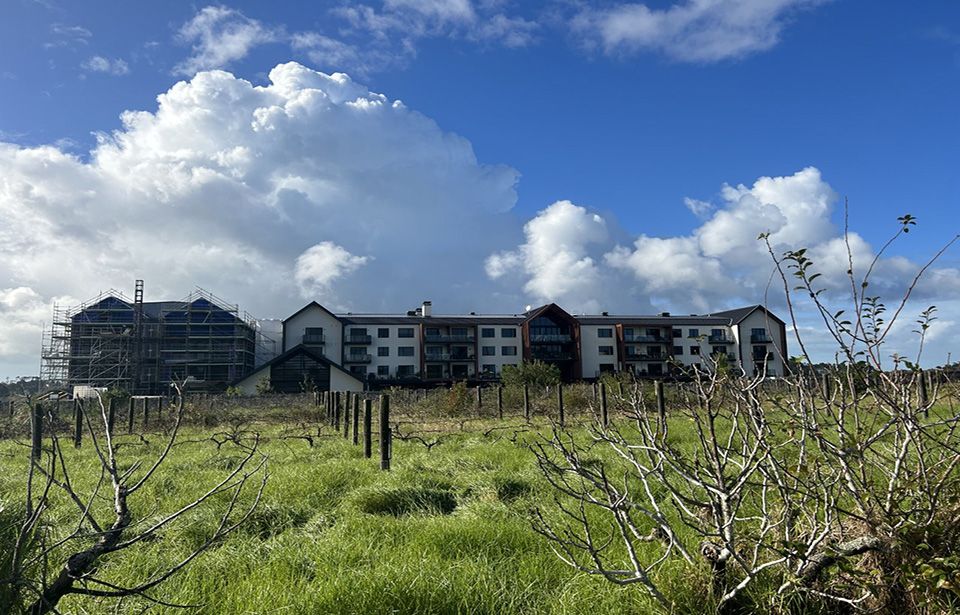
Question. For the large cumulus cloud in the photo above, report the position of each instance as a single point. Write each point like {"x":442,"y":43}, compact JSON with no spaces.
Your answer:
{"x":310,"y":185}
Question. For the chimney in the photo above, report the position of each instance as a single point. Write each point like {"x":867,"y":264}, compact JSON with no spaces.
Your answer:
{"x":426,"y":308}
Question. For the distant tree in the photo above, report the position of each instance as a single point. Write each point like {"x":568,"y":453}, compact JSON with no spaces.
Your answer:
{"x":531,"y":373}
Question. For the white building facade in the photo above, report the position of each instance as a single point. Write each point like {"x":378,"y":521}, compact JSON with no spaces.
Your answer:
{"x":422,"y":348}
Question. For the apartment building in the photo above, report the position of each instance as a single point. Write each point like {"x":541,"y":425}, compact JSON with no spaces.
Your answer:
{"x":420,"y":348}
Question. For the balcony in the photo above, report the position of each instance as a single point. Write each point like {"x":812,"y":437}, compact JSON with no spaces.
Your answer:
{"x":358,"y":358}
{"x":550,"y":338}
{"x":358,"y":339}
{"x":645,"y":339}
{"x":716,"y":356}
{"x":760,"y":338}
{"x":449,"y":339}
{"x":552,"y":356}
{"x":644,"y":357}
{"x":720,"y":339}
{"x":313,"y":339}
{"x":435,"y":357}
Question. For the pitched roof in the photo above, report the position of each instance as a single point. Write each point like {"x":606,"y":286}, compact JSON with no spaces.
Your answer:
{"x":298,"y":349}
{"x":739,"y":314}
{"x":307,"y":307}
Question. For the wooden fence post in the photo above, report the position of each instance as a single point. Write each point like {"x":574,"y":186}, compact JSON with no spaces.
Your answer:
{"x":604,"y":416}
{"x":36,"y":431}
{"x":356,"y":420}
{"x":500,"y":402}
{"x":130,"y":411}
{"x":337,"y":409}
{"x":346,"y":415}
{"x":479,"y":399}
{"x":924,"y":395}
{"x":385,"y":440}
{"x":560,"y":402}
{"x":111,"y":414}
{"x":825,"y":385}
{"x":661,"y":404}
{"x":12,"y":408}
{"x":146,"y":413}
{"x":526,"y":403}
{"x":367,"y":427}
{"x":78,"y":422}
{"x":159,"y":407}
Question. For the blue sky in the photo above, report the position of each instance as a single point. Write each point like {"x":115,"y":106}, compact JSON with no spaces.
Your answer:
{"x":623,"y":109}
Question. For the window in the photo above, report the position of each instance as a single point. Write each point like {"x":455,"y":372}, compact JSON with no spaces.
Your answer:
{"x":434,"y":371}
{"x":508,"y":333}
{"x":606,"y":367}
{"x":693,"y":333}
{"x":383,"y":332}
{"x":358,"y":351}
{"x":508,"y":351}
{"x":678,"y":350}
{"x":604,"y":332}
{"x":458,"y":331}
{"x":383,"y":371}
{"x":489,"y":351}
{"x":431,"y":332}
{"x":490,"y":370}
{"x":715,"y":350}
{"x":488,"y":332}
{"x":606,"y":351}
{"x":405,"y":332}
{"x":313,"y":331}
{"x":694,"y":350}
{"x":716,"y":333}
{"x":355,"y":332}
{"x":405,"y":370}
{"x":383,"y":351}
{"x":405,"y":351}
{"x":678,"y":333}
{"x":358,"y":370}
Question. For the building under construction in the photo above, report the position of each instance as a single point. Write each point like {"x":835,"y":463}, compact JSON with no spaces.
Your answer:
{"x":143,"y":347}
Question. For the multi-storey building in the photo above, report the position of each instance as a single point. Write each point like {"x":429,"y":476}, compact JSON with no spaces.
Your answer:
{"x":144,"y":346}
{"x":423,"y":349}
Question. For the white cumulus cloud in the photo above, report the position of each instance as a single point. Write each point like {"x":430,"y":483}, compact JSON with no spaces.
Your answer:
{"x":252,"y":192}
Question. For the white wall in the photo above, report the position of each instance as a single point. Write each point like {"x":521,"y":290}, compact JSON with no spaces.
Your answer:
{"x":760,"y":320}
{"x":590,"y":342}
{"x":498,"y":341}
{"x":314,"y":316}
{"x":248,"y":386}
{"x":343,"y":382}
{"x":392,"y":343}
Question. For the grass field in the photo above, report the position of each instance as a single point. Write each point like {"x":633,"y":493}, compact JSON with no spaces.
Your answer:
{"x":447,"y":530}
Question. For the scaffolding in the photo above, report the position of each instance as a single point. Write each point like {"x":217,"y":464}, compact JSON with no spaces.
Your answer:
{"x":143,"y":347}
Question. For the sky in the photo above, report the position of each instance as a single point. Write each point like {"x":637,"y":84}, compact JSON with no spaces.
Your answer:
{"x":485,"y":154}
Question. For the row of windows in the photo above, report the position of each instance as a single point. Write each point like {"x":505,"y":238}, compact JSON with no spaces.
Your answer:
{"x":491,"y":351}
{"x":491,"y":332}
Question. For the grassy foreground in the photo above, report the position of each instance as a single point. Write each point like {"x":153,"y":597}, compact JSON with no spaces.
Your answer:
{"x":446,"y":531}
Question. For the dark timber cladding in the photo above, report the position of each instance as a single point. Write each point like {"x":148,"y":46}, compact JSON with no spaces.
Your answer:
{"x":552,"y":335}
{"x":299,"y":369}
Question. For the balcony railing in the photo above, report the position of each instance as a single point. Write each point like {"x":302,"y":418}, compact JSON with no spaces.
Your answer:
{"x":445,"y":356}
{"x":644,"y":357}
{"x":449,"y":339}
{"x":550,"y":338}
{"x":358,"y":358}
{"x":358,"y":339}
{"x":314,"y":338}
{"x":760,"y":338}
{"x":552,"y":356}
{"x":717,"y":355}
{"x":645,"y":339}
{"x":720,"y":339}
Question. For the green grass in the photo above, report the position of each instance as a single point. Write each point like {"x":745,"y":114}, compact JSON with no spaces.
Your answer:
{"x":446,"y":531}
